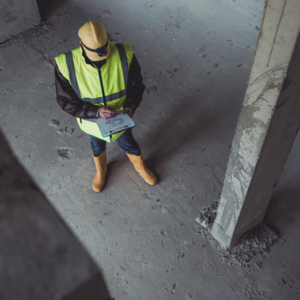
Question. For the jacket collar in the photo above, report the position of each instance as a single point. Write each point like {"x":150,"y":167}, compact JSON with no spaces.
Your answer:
{"x":95,"y":64}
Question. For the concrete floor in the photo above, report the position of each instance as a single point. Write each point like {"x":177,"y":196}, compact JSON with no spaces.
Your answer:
{"x":195,"y":57}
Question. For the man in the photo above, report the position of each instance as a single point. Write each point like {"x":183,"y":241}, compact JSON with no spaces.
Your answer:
{"x":103,"y":73}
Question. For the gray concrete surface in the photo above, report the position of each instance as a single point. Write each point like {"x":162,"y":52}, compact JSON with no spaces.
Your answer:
{"x":17,"y":16}
{"x":268,"y":124}
{"x":40,"y":257}
{"x":196,"y":58}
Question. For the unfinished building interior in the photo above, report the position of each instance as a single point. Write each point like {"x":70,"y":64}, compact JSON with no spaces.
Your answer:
{"x":217,"y":125}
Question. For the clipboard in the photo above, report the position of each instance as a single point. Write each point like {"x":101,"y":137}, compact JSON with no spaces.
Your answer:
{"x":114,"y":124}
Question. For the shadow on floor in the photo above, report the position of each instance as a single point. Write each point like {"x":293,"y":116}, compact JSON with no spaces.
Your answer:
{"x":183,"y":129}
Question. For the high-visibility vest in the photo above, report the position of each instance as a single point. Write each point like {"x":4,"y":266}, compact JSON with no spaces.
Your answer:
{"x":109,"y":84}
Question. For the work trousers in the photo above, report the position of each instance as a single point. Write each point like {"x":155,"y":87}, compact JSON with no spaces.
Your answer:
{"x":126,"y":142}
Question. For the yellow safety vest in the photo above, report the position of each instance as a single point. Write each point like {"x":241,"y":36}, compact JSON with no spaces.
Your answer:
{"x":107,"y":86}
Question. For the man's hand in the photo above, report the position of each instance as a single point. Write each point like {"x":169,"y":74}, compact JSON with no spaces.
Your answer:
{"x":127,"y":111}
{"x":107,"y":112}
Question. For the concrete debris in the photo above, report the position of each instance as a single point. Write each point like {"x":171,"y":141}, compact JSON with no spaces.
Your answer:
{"x":63,"y":152}
{"x":289,"y":221}
{"x":151,"y":89}
{"x":208,"y":215}
{"x":254,"y":243}
{"x":54,"y":123}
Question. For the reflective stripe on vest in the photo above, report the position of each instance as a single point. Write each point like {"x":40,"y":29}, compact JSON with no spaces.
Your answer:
{"x":85,"y":81}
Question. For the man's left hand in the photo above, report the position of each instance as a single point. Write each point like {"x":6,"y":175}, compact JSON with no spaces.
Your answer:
{"x":127,"y":111}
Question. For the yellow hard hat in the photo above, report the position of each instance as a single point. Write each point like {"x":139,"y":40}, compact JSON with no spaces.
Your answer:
{"x":94,"y":41}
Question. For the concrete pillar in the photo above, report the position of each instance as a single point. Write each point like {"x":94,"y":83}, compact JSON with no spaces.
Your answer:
{"x":267,"y":125}
{"x":17,"y":16}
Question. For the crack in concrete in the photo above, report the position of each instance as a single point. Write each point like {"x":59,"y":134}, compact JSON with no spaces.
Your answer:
{"x":15,"y":36}
{"x":7,"y":40}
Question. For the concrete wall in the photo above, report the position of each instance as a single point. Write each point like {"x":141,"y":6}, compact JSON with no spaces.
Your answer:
{"x":40,"y":258}
{"x":17,"y":16}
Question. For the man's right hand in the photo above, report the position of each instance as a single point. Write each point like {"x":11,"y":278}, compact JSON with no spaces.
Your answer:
{"x":107,"y":112}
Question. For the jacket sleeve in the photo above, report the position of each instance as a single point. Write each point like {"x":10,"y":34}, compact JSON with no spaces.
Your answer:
{"x":135,"y":87}
{"x":69,"y":101}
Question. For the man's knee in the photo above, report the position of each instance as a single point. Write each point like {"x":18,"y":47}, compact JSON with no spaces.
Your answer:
{"x":127,"y":143}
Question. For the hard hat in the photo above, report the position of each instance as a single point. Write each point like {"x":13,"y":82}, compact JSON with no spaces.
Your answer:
{"x":94,"y":41}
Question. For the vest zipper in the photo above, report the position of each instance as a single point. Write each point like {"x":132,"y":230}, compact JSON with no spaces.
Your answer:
{"x":103,"y":94}
{"x":101,"y":84}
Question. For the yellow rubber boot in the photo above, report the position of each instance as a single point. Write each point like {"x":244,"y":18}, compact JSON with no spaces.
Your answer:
{"x":99,"y":180}
{"x":139,"y":165}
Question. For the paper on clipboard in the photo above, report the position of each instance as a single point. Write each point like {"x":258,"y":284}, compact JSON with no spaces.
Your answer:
{"x":114,"y":124}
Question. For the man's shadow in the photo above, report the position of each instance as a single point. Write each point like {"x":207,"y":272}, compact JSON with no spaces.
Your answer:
{"x":185,"y":127}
